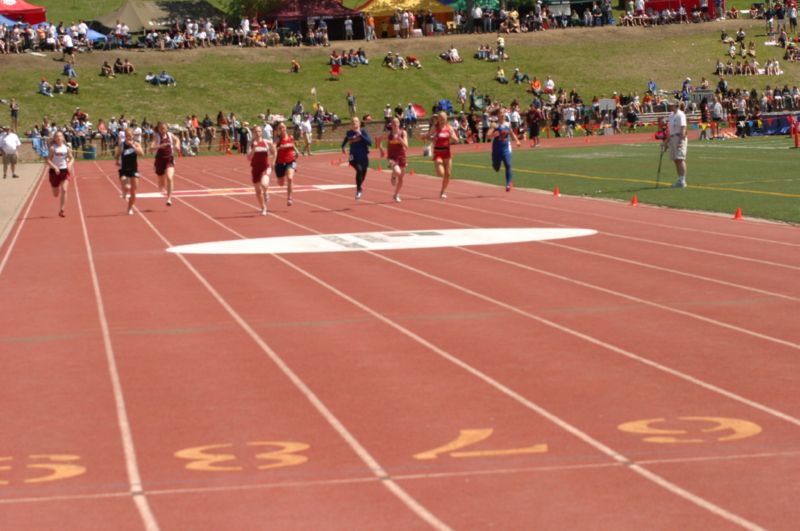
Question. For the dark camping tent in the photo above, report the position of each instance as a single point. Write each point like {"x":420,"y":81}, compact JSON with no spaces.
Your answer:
{"x":300,"y":12}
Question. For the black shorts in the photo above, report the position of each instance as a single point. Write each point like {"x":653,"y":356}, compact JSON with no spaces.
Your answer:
{"x":281,"y":168}
{"x":69,"y":50}
{"x":128,"y":174}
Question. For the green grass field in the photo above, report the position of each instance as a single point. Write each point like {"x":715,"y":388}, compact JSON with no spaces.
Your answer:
{"x":594,"y":61}
{"x":754,"y":174}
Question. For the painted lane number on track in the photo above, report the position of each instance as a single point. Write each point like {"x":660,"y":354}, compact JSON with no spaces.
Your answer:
{"x":468,"y":438}
{"x":716,"y":429}
{"x":58,"y":466}
{"x":212,"y":458}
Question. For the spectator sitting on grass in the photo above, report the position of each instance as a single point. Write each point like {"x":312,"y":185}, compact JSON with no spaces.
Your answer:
{"x":412,"y":60}
{"x":118,"y":66}
{"x":45,"y":88}
{"x":106,"y":70}
{"x":72,"y":86}
{"x":58,"y":88}
{"x":388,"y":60}
{"x":127,"y":67}
{"x":295,"y":67}
{"x":69,"y":69}
{"x":519,"y":77}
{"x":166,"y":79}
{"x":501,"y":76}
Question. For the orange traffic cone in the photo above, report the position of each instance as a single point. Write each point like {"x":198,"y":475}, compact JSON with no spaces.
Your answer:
{"x":635,"y":201}
{"x":738,"y":214}
{"x":411,"y":171}
{"x":379,"y":168}
{"x":556,"y":193}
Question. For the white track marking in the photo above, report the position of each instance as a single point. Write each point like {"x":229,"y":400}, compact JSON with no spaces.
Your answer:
{"x":134,"y":478}
{"x":398,"y":477}
{"x":552,"y":324}
{"x":380,"y":241}
{"x":309,"y":394}
{"x":554,"y":419}
{"x":13,"y":241}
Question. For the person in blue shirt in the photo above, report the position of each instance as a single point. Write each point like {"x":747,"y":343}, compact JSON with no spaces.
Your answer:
{"x":500,"y":133}
{"x":651,"y":86}
{"x":360,"y":142}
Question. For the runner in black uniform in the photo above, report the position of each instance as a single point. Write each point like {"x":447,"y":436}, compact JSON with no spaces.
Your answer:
{"x":127,"y":160}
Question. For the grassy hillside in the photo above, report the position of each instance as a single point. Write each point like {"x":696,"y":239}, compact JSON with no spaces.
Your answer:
{"x":248,"y":81}
{"x":72,"y":10}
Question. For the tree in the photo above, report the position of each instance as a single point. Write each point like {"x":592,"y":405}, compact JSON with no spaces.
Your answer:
{"x":251,"y":8}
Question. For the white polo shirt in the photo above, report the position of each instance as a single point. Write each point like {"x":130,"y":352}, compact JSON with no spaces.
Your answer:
{"x":676,"y":120}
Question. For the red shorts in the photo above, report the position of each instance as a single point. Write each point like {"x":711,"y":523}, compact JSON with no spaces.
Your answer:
{"x":58,"y":177}
{"x":441,"y":154}
{"x":162,"y":163}
{"x":398,"y":161}
{"x":257,"y":172}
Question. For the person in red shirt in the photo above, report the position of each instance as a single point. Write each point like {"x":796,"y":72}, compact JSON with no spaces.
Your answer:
{"x":442,"y":135}
{"x":164,"y":144}
{"x":286,"y":159}
{"x":259,"y":157}
{"x":396,"y":146}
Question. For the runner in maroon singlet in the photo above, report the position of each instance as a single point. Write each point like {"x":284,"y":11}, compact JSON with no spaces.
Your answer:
{"x":442,"y":135}
{"x":263,"y":150}
{"x":396,"y":146}
{"x":164,"y":145}
{"x":286,"y":159}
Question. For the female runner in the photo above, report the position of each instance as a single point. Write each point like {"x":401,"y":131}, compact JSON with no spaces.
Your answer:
{"x":443,"y":135}
{"x":360,"y":142}
{"x":286,"y":159}
{"x":164,"y":145}
{"x":60,"y":162}
{"x":396,"y":146}
{"x":127,"y":160}
{"x":259,"y":157}
{"x":499,"y":133}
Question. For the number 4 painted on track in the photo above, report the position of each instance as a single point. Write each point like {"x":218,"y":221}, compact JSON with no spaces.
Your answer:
{"x":468,"y":438}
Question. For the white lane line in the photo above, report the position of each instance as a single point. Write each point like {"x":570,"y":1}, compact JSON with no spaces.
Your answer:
{"x":613,"y":348}
{"x":13,"y":242}
{"x":318,"y":404}
{"x":131,"y":464}
{"x":554,"y":419}
{"x":632,"y":238}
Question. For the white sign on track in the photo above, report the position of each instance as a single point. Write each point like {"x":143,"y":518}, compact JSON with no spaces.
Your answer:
{"x":380,"y":241}
{"x":216,"y":192}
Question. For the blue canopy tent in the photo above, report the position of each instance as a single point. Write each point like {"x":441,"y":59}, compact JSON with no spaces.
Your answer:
{"x":7,"y":21}
{"x":95,"y":36}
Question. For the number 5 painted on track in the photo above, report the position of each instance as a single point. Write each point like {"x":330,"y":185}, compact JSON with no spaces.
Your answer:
{"x":468,"y":438}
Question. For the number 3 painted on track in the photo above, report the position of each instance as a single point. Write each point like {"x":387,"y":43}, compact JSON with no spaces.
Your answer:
{"x":741,"y":429}
{"x":286,"y":453}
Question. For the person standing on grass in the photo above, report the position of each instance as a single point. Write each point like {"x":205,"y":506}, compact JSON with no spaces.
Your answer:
{"x":396,"y":147}
{"x":359,"y":141}
{"x":442,"y":135}
{"x":501,"y":134}
{"x":14,"y":107}
{"x":286,"y":159}
{"x":259,"y":157}
{"x":127,"y":160}
{"x":677,"y":141}
{"x":164,"y":145}
{"x":59,"y":161}
{"x":9,"y":144}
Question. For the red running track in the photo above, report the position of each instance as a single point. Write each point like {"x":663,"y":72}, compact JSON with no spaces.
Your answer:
{"x":644,"y":377}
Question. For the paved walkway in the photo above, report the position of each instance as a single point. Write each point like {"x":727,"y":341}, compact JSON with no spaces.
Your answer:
{"x":14,"y":192}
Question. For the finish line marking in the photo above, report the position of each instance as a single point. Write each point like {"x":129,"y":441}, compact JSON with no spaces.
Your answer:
{"x":216,"y":192}
{"x":380,"y":241}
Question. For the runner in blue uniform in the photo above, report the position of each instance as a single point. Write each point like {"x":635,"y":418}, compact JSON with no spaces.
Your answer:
{"x":359,"y":141}
{"x":499,"y":134}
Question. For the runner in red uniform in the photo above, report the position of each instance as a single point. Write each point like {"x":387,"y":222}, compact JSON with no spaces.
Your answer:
{"x":163,"y":142}
{"x":396,"y":146}
{"x":286,"y":159}
{"x":443,"y":135}
{"x":259,"y":158}
{"x":60,"y":162}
